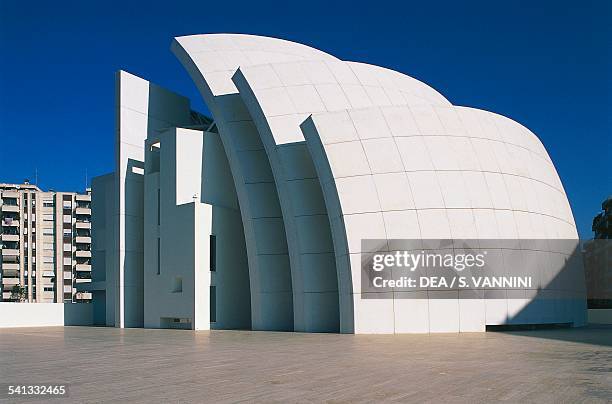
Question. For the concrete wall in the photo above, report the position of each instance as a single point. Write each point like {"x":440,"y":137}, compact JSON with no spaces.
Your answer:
{"x":104,"y":268}
{"x":45,"y":314}
{"x":143,"y":109}
{"x":175,"y":217}
{"x":189,"y":196}
{"x":600,"y":316}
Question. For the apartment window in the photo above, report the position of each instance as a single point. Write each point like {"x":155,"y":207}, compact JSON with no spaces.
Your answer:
{"x":67,"y":232}
{"x":48,"y":217}
{"x":48,"y":203}
{"x":47,"y":246}
{"x":213,"y":304}
{"x":48,"y":289}
{"x":158,"y":256}
{"x":67,"y":219}
{"x":48,"y":231}
{"x":213,"y":253}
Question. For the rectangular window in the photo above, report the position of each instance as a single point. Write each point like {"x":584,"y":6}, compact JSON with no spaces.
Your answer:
{"x":48,"y":217}
{"x":158,"y":257}
{"x":213,"y":253}
{"x":213,"y":304}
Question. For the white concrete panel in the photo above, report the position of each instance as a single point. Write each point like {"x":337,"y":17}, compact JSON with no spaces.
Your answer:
{"x":376,"y":316}
{"x":347,"y":159}
{"x":402,"y":224}
{"x":411,"y":314}
{"x":394,"y":191}
{"x":383,"y":156}
{"x":332,"y":96}
{"x":363,"y":226}
{"x":369,"y":123}
{"x":472,"y":313}
{"x":443,"y":312}
{"x":357,"y":194}
{"x":454,"y":189}
{"x":400,"y":121}
{"x":305,"y":99}
{"x":425,"y":189}
{"x":414,"y":153}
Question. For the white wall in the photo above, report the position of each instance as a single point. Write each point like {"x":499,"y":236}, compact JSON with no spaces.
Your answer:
{"x":143,"y":109}
{"x":44,"y":314}
{"x":183,"y":220}
{"x":197,"y":199}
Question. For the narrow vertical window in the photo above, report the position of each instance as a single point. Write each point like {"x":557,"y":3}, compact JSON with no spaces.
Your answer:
{"x":158,"y":257}
{"x":158,"y":206}
{"x":213,"y":253}
{"x":213,"y":304}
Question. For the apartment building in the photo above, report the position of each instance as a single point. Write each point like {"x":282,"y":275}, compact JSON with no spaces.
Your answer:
{"x":45,"y":244}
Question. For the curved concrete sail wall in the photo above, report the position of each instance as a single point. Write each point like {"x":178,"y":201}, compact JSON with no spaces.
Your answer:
{"x":452,"y":173}
{"x":279,"y":97}
{"x":269,"y":268}
{"x":358,"y":151}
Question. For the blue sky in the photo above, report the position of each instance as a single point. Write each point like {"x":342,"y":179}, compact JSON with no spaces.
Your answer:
{"x":545,"y":64}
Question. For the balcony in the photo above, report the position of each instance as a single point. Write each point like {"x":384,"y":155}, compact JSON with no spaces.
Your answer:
{"x":10,"y":252}
{"x":9,"y":266}
{"x":83,"y":225}
{"x":82,"y":239}
{"x":82,"y":254}
{"x":10,"y":222}
{"x":82,"y":211}
{"x":82,"y":198}
{"x":10,"y":208}
{"x":9,"y":273}
{"x":9,"y":237}
{"x":83,"y":267}
{"x":10,"y":194}
{"x":48,"y":274}
{"x":6,"y":295}
{"x":82,"y":280}
{"x":83,"y":296}
{"x":6,"y":281}
{"x":67,"y":288}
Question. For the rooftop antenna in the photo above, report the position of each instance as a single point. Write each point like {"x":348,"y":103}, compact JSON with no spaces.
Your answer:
{"x":85,"y":178}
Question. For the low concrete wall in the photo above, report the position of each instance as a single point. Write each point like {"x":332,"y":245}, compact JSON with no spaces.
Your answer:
{"x":78,"y":313}
{"x":600,"y":316}
{"x":44,"y":314}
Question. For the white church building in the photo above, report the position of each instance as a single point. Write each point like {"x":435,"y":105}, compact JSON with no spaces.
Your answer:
{"x":255,"y":217}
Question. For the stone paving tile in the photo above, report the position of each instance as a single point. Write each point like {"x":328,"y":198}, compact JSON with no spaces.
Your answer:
{"x":136,"y":365}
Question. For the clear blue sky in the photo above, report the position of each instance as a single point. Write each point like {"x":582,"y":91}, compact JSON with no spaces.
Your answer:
{"x":546,"y":64}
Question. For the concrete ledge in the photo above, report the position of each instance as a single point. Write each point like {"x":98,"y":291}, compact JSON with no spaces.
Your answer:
{"x":45,"y":314}
{"x":600,"y":316}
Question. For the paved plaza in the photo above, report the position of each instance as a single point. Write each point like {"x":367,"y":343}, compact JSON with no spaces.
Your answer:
{"x":137,"y":365}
